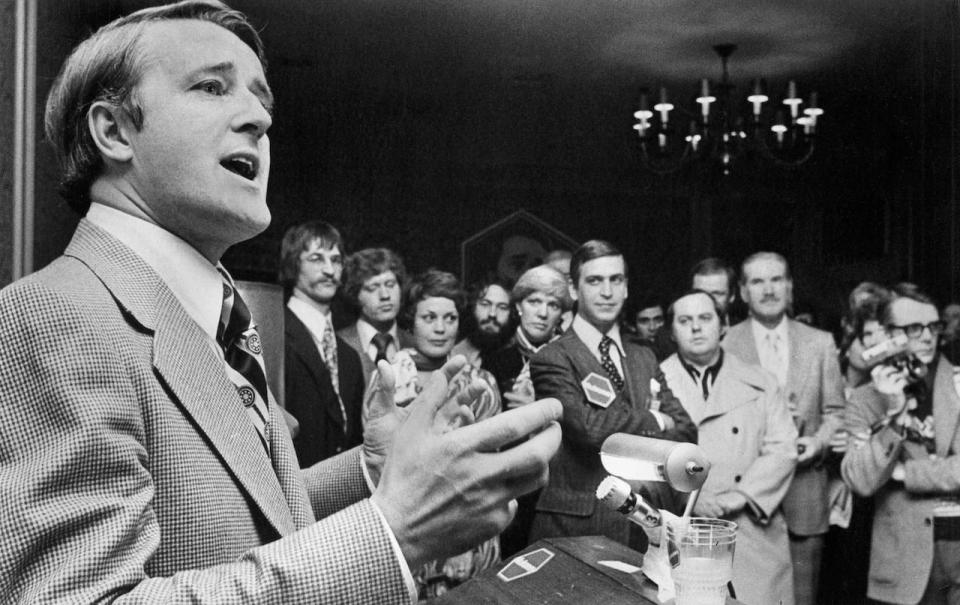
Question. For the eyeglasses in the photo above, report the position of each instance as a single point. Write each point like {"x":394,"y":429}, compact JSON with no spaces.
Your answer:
{"x":915,"y":330}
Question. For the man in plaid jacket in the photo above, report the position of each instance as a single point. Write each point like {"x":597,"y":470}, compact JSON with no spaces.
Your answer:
{"x":129,"y":468}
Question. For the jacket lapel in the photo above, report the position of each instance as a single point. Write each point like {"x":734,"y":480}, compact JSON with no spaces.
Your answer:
{"x":684,"y":389}
{"x":797,"y":366}
{"x":301,"y":343}
{"x":735,"y":386}
{"x":183,"y":356}
{"x":634,"y":382}
{"x":946,"y":407}
{"x":740,"y":341}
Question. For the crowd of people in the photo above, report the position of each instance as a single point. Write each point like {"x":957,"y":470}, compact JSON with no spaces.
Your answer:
{"x":143,"y":455}
{"x":772,"y":400}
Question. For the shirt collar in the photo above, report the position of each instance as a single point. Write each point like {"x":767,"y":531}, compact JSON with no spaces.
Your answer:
{"x":316,"y":321}
{"x":760,"y":331}
{"x":709,"y":372}
{"x":366,"y":332}
{"x":591,"y":336}
{"x":192,"y":279}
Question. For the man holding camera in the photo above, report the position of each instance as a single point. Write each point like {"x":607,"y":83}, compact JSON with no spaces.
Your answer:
{"x":902,"y":451}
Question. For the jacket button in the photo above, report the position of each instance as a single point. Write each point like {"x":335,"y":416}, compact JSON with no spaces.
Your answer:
{"x":735,"y":430}
{"x":736,"y":479}
{"x":927,"y":521}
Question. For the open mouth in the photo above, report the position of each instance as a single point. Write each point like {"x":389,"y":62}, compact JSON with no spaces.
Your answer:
{"x":243,"y":166}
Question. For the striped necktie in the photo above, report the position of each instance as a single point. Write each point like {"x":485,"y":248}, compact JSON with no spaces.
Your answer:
{"x":238,"y":338}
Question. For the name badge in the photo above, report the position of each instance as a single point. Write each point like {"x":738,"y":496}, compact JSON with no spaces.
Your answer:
{"x":598,"y":389}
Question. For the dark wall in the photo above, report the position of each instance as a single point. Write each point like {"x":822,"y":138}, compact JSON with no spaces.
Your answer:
{"x":421,"y":160}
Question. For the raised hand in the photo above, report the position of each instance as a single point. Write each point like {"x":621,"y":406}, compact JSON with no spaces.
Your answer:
{"x":445,"y":487}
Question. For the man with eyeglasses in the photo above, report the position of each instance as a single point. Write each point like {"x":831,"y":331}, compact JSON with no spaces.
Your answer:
{"x":902,"y":451}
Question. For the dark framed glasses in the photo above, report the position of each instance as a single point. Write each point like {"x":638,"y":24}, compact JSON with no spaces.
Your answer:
{"x":915,"y":330}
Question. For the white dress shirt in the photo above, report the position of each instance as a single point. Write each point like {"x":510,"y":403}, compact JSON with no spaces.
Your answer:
{"x":316,"y":321}
{"x":591,"y":337}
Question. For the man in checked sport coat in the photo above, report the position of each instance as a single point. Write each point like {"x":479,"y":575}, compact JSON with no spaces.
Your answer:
{"x":594,"y":407}
{"x":804,"y":360}
{"x":129,"y":468}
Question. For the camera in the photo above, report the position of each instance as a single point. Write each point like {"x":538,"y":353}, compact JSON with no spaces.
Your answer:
{"x":893,"y":352}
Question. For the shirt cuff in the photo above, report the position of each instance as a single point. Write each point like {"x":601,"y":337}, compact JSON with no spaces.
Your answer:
{"x":397,"y":553}
{"x":404,"y":568}
{"x":366,"y":473}
{"x":658,"y":416}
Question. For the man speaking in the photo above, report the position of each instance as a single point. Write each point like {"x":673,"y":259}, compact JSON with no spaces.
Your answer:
{"x":142,"y":458}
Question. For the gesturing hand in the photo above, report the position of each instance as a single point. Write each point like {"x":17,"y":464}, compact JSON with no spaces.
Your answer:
{"x":446,"y":487}
{"x":384,"y":417}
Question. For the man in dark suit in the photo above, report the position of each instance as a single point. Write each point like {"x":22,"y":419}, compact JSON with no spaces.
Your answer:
{"x":374,"y":281}
{"x":804,"y":360}
{"x":604,"y":384}
{"x":323,"y":375}
{"x":137,"y":461}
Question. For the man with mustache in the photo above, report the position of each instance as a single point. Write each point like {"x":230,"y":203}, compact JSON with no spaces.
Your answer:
{"x":374,"y":281}
{"x":323,"y":375}
{"x":804,"y":361}
{"x":487,"y":325}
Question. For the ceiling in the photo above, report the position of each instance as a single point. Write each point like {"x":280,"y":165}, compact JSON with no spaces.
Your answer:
{"x":586,"y":43}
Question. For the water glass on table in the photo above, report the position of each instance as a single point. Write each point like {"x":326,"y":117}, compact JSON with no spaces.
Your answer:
{"x":700,"y":550}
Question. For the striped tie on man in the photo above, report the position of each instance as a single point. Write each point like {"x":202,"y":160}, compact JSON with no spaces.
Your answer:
{"x":237,"y":336}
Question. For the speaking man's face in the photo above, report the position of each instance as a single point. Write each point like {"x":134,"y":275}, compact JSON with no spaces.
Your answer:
{"x":200,"y":160}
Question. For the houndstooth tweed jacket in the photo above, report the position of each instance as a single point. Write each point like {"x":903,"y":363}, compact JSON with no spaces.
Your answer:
{"x":129,"y":471}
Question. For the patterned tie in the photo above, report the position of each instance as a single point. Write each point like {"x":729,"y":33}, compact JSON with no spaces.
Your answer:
{"x":329,"y":344}
{"x":608,"y":364}
{"x":382,"y":341}
{"x":242,"y":350}
{"x":775,"y":357}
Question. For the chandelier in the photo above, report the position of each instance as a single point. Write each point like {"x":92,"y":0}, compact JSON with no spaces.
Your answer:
{"x":672,"y":137}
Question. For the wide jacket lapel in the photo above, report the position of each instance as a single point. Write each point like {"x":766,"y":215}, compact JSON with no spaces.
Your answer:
{"x":740,"y":341}
{"x":182,"y":356}
{"x":735,"y":386}
{"x":633,"y":377}
{"x":685,"y":389}
{"x":301,"y":344}
{"x":946,"y":407}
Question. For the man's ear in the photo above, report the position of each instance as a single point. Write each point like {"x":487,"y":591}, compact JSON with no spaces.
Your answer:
{"x":108,"y":128}
{"x":573,"y":292}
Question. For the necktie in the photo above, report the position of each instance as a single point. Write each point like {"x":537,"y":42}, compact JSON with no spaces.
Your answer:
{"x":242,"y":350}
{"x":775,"y":358}
{"x":608,"y":364}
{"x":381,"y":340}
{"x":329,"y":344}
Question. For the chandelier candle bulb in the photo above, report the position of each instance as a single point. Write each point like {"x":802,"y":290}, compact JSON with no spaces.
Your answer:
{"x":735,"y":129}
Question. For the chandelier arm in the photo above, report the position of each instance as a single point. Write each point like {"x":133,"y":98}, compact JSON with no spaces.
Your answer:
{"x":663,"y":168}
{"x":768,"y":153}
